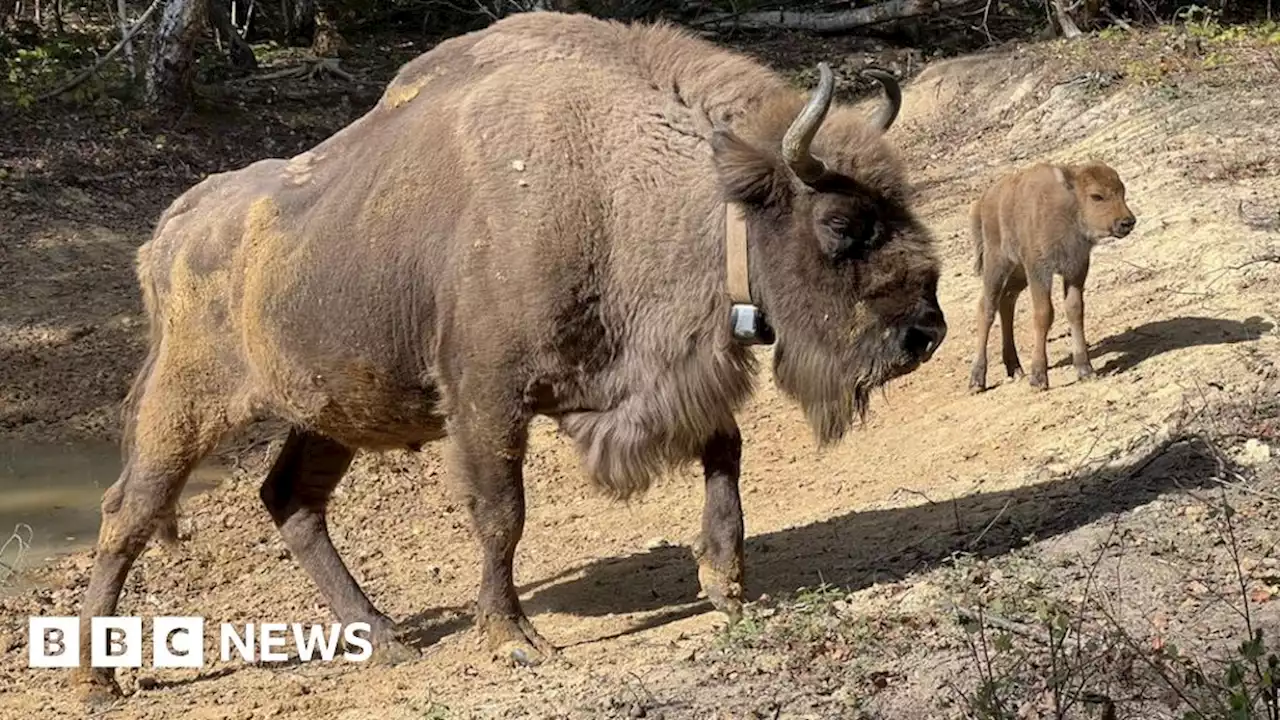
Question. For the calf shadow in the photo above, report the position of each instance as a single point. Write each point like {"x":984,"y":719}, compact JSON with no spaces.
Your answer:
{"x":1155,"y":338}
{"x":859,"y":549}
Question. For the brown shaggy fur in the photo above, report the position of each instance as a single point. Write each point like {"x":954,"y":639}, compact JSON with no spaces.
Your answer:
{"x":1029,"y":226}
{"x":531,"y":221}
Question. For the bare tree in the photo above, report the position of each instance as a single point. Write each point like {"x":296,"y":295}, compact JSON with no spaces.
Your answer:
{"x":299,"y":20}
{"x":122,"y":11}
{"x":239,"y":51}
{"x":327,"y":40}
{"x":172,"y":64}
{"x":1069,"y":29}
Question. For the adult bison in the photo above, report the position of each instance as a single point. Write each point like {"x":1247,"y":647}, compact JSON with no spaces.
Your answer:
{"x":551,"y":216}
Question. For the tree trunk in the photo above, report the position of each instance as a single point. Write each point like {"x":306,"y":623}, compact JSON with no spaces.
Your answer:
{"x":1069,"y":29}
{"x":300,"y":21}
{"x":328,"y":42}
{"x":7,"y":8}
{"x":172,"y":65}
{"x":123,"y":11}
{"x":241,"y":17}
{"x":239,"y":51}
{"x":837,"y":21}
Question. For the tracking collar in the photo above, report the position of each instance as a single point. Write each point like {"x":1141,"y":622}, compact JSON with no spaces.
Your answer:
{"x":746,"y":320}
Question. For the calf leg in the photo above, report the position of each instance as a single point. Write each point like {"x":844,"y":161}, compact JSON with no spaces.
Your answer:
{"x":488,"y":458}
{"x":170,"y":435}
{"x":719,"y":550}
{"x":1008,"y":304}
{"x":993,"y":278}
{"x":1073,"y":302}
{"x":296,"y":492}
{"x":1042,"y":319}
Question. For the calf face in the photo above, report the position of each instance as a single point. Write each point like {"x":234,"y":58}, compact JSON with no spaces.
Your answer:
{"x":1101,"y":198}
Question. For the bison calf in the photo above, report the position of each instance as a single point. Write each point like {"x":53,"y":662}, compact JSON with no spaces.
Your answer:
{"x":1028,"y":226}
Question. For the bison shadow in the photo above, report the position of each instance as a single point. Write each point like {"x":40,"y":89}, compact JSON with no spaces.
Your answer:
{"x":862,"y":548}
{"x":1144,"y":342}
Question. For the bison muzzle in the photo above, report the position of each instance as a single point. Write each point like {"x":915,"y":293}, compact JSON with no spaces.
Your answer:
{"x":533,"y":220}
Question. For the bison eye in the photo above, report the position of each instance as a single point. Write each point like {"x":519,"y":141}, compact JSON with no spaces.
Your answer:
{"x":1096,"y":197}
{"x":841,"y":236}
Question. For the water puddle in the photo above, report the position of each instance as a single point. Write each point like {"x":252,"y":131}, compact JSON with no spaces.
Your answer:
{"x":50,"y":496}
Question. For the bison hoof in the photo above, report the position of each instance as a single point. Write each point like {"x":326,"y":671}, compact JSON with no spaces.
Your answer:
{"x":1039,"y":382}
{"x":1015,"y":373}
{"x":98,"y":692}
{"x":520,"y":654}
{"x":724,"y":592}
{"x":516,"y":642}
{"x":977,"y":380}
{"x":390,"y":652}
{"x":1085,"y":373}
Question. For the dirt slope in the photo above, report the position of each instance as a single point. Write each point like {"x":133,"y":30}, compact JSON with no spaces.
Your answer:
{"x":615,"y":585}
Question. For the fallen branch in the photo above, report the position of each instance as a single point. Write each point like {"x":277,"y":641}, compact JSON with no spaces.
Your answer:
{"x":124,"y":40}
{"x":830,"y":21}
{"x":311,"y":70}
{"x":1000,"y":623}
{"x":1117,"y":21}
{"x":23,"y":542}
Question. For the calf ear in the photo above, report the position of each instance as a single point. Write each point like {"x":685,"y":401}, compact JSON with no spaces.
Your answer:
{"x":1065,"y":176}
{"x":747,"y":175}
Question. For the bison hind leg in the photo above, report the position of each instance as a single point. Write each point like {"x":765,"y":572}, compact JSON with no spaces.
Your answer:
{"x":1013,"y":287}
{"x":296,"y":492}
{"x":169,"y":427}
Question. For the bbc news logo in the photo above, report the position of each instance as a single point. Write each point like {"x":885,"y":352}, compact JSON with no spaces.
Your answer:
{"x":178,"y":642}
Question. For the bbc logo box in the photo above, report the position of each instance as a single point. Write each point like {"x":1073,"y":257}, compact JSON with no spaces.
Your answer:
{"x":178,"y":642}
{"x":115,"y":642}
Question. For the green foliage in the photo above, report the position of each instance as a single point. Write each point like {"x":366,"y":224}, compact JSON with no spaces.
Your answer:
{"x":1206,"y":23}
{"x":25,"y":72}
{"x":1240,"y":687}
{"x":1112,"y":32}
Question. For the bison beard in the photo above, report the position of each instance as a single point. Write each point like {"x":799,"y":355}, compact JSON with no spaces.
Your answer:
{"x":820,"y":382}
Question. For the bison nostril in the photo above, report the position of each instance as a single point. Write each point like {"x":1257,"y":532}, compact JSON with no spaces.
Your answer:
{"x":922,"y":341}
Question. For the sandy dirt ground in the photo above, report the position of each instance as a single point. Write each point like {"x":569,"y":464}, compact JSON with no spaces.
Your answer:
{"x":1183,"y":311}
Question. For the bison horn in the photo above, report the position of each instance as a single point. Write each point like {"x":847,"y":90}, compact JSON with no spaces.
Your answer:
{"x":795,"y":144}
{"x":884,"y":119}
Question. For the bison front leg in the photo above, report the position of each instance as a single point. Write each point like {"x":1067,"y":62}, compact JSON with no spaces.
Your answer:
{"x":1073,"y":302}
{"x":719,"y":549}
{"x":1042,"y":320}
{"x":489,"y":465}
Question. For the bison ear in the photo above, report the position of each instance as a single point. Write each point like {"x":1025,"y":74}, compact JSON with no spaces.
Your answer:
{"x":1065,"y":176}
{"x":747,"y":175}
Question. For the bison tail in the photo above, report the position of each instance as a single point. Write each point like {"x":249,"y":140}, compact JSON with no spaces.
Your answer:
{"x":975,"y":232}
{"x":129,"y":407}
